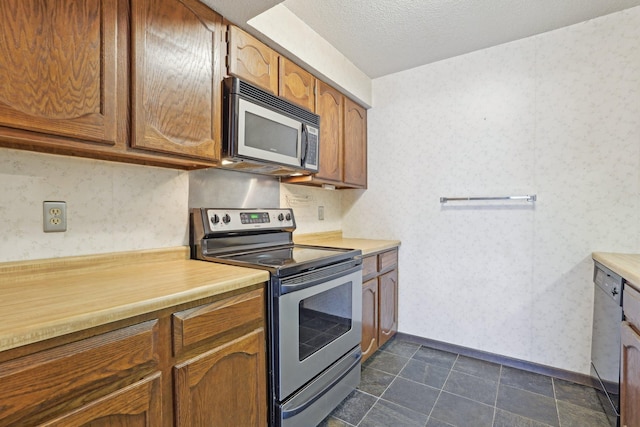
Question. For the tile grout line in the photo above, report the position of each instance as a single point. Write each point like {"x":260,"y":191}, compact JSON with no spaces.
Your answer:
{"x":395,"y":376}
{"x":555,"y":399}
{"x":442,"y":388}
{"x":495,"y":402}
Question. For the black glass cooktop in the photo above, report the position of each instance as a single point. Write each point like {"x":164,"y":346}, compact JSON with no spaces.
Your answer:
{"x":285,"y":256}
{"x":288,"y":260}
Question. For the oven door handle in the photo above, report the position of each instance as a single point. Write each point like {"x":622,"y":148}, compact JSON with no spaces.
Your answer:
{"x":314,"y":280}
{"x":304,"y":405}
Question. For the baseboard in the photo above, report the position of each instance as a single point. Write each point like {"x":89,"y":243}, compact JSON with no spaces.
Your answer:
{"x":571,"y":376}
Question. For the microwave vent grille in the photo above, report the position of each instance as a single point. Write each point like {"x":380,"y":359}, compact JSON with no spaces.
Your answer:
{"x":273,"y":101}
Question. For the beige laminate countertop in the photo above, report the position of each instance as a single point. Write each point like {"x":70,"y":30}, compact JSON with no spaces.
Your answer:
{"x":49,"y":298}
{"x":626,"y":265}
{"x":335,"y":239}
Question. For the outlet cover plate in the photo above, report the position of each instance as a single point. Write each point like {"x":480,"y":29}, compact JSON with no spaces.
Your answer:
{"x":54,"y":215}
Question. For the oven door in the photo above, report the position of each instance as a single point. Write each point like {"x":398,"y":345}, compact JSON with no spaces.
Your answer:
{"x":319,"y":320}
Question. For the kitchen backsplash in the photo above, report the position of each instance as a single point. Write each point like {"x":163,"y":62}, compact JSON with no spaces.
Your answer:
{"x":220,"y":188}
{"x":115,"y":207}
{"x":111,"y":207}
{"x":306,"y":203}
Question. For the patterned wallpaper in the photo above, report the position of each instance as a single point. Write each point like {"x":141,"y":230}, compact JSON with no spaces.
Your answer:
{"x":557,"y":115}
{"x":107,"y":206}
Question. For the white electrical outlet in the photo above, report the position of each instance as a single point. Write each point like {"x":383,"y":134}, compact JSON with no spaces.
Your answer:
{"x":321,"y":213}
{"x":54,"y":215}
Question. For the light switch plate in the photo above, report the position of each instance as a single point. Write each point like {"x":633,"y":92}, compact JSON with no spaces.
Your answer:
{"x":54,"y":216}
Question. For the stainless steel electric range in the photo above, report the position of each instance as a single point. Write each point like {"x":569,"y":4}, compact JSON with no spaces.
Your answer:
{"x":314,"y":307}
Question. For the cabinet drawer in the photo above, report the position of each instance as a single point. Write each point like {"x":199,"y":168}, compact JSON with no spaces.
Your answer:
{"x":197,"y":325}
{"x":41,"y":385}
{"x":388,"y":260}
{"x":631,"y":306}
{"x":369,"y":266}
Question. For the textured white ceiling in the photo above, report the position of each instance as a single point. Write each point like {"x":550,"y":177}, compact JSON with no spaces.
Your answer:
{"x":386,"y":36}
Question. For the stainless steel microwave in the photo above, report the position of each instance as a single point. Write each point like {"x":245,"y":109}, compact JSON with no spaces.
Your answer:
{"x":264,"y":133}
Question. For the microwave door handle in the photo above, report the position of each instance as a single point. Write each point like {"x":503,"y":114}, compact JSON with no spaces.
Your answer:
{"x":305,"y":145}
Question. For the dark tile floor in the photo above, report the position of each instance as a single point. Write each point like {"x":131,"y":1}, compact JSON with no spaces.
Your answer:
{"x":405,"y":385}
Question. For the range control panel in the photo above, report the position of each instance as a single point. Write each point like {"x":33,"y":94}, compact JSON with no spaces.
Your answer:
{"x":229,"y":220}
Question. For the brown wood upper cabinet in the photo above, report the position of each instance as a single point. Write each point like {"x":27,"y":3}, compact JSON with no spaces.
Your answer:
{"x":176,"y":77}
{"x":296,"y":84}
{"x":256,"y":63}
{"x":355,"y":144}
{"x":330,"y":107}
{"x":252,"y":60}
{"x":58,"y":73}
{"x":67,"y":67}
{"x":343,"y":141}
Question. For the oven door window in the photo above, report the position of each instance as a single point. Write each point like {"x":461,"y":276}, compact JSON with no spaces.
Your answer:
{"x":323,"y":318}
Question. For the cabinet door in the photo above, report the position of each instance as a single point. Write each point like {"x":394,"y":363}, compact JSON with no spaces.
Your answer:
{"x":355,"y":144}
{"x":630,"y":377}
{"x":296,"y":84}
{"x":226,"y":384}
{"x":138,"y":405}
{"x":330,"y":106}
{"x":58,"y":70}
{"x":176,"y":77}
{"x":388,"y":298}
{"x":369,"y":342}
{"x":252,"y":60}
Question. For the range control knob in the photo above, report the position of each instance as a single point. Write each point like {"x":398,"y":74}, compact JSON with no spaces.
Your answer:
{"x":281,"y":217}
{"x":288,"y":217}
{"x":226,"y":219}
{"x":215,"y":219}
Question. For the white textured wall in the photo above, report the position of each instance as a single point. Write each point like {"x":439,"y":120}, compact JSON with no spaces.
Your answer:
{"x":111,"y":207}
{"x":557,"y":115}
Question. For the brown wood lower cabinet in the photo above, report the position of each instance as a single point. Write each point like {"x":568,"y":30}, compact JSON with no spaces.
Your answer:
{"x":388,"y":300}
{"x":223,"y":375}
{"x":379,"y":300}
{"x":630,"y":358}
{"x":133,"y":375}
{"x":226,"y":384}
{"x":369,"y":342}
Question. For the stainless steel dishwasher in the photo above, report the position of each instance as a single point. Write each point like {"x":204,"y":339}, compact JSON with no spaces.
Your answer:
{"x":605,"y":343}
